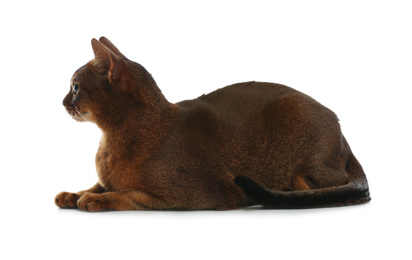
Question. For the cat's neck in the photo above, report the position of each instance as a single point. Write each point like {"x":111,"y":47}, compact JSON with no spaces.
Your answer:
{"x":137,"y":126}
{"x":138,"y":109}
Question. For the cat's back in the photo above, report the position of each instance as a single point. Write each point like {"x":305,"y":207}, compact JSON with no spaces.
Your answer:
{"x":241,"y":94}
{"x":250,"y":101}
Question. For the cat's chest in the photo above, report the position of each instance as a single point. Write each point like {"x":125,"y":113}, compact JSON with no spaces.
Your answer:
{"x":116,"y":167}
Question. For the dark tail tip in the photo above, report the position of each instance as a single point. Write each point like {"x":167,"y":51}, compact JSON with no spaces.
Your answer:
{"x":350,"y":194}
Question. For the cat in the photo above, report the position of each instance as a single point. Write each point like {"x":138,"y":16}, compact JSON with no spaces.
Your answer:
{"x":251,"y":143}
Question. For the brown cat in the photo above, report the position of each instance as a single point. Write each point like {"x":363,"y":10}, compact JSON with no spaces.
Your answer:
{"x":245,"y":144}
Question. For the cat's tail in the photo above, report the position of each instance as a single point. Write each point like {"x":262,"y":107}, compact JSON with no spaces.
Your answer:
{"x":356,"y":191}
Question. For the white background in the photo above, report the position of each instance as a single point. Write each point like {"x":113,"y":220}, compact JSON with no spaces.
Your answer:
{"x":355,"y":57}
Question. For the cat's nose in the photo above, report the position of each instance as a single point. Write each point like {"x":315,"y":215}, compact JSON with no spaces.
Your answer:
{"x":64,"y":103}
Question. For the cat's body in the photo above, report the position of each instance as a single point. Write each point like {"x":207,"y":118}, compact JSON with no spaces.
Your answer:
{"x":248,"y":143}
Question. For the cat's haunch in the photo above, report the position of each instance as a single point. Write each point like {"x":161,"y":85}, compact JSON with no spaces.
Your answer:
{"x":250,"y":143}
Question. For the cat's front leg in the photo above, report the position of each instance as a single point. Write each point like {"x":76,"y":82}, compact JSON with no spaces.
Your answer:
{"x":128,"y":200}
{"x":68,"y":200}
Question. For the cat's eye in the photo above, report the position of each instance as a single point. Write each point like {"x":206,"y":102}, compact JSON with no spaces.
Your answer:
{"x":75,"y":88}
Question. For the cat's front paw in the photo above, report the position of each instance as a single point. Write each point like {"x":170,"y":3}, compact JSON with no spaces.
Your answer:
{"x":67,"y":200}
{"x":92,"y":202}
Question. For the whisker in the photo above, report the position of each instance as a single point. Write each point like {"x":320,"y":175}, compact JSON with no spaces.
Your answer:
{"x":78,"y":113}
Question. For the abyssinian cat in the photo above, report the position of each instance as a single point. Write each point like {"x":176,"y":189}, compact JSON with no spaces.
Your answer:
{"x":246,"y":144}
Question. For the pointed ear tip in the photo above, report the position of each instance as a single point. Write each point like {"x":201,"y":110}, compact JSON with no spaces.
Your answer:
{"x":103,"y":38}
{"x":94,"y":41}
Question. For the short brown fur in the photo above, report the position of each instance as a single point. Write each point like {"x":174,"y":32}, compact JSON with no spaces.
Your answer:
{"x":158,"y":155}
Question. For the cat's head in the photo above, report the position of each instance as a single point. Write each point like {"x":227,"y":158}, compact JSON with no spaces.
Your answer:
{"x":104,"y":87}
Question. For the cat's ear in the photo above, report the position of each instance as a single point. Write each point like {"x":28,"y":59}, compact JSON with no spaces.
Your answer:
{"x":106,"y":42}
{"x":108,"y":62}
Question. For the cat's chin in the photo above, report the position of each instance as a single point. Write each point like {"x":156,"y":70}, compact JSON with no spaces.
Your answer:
{"x":81,"y":117}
